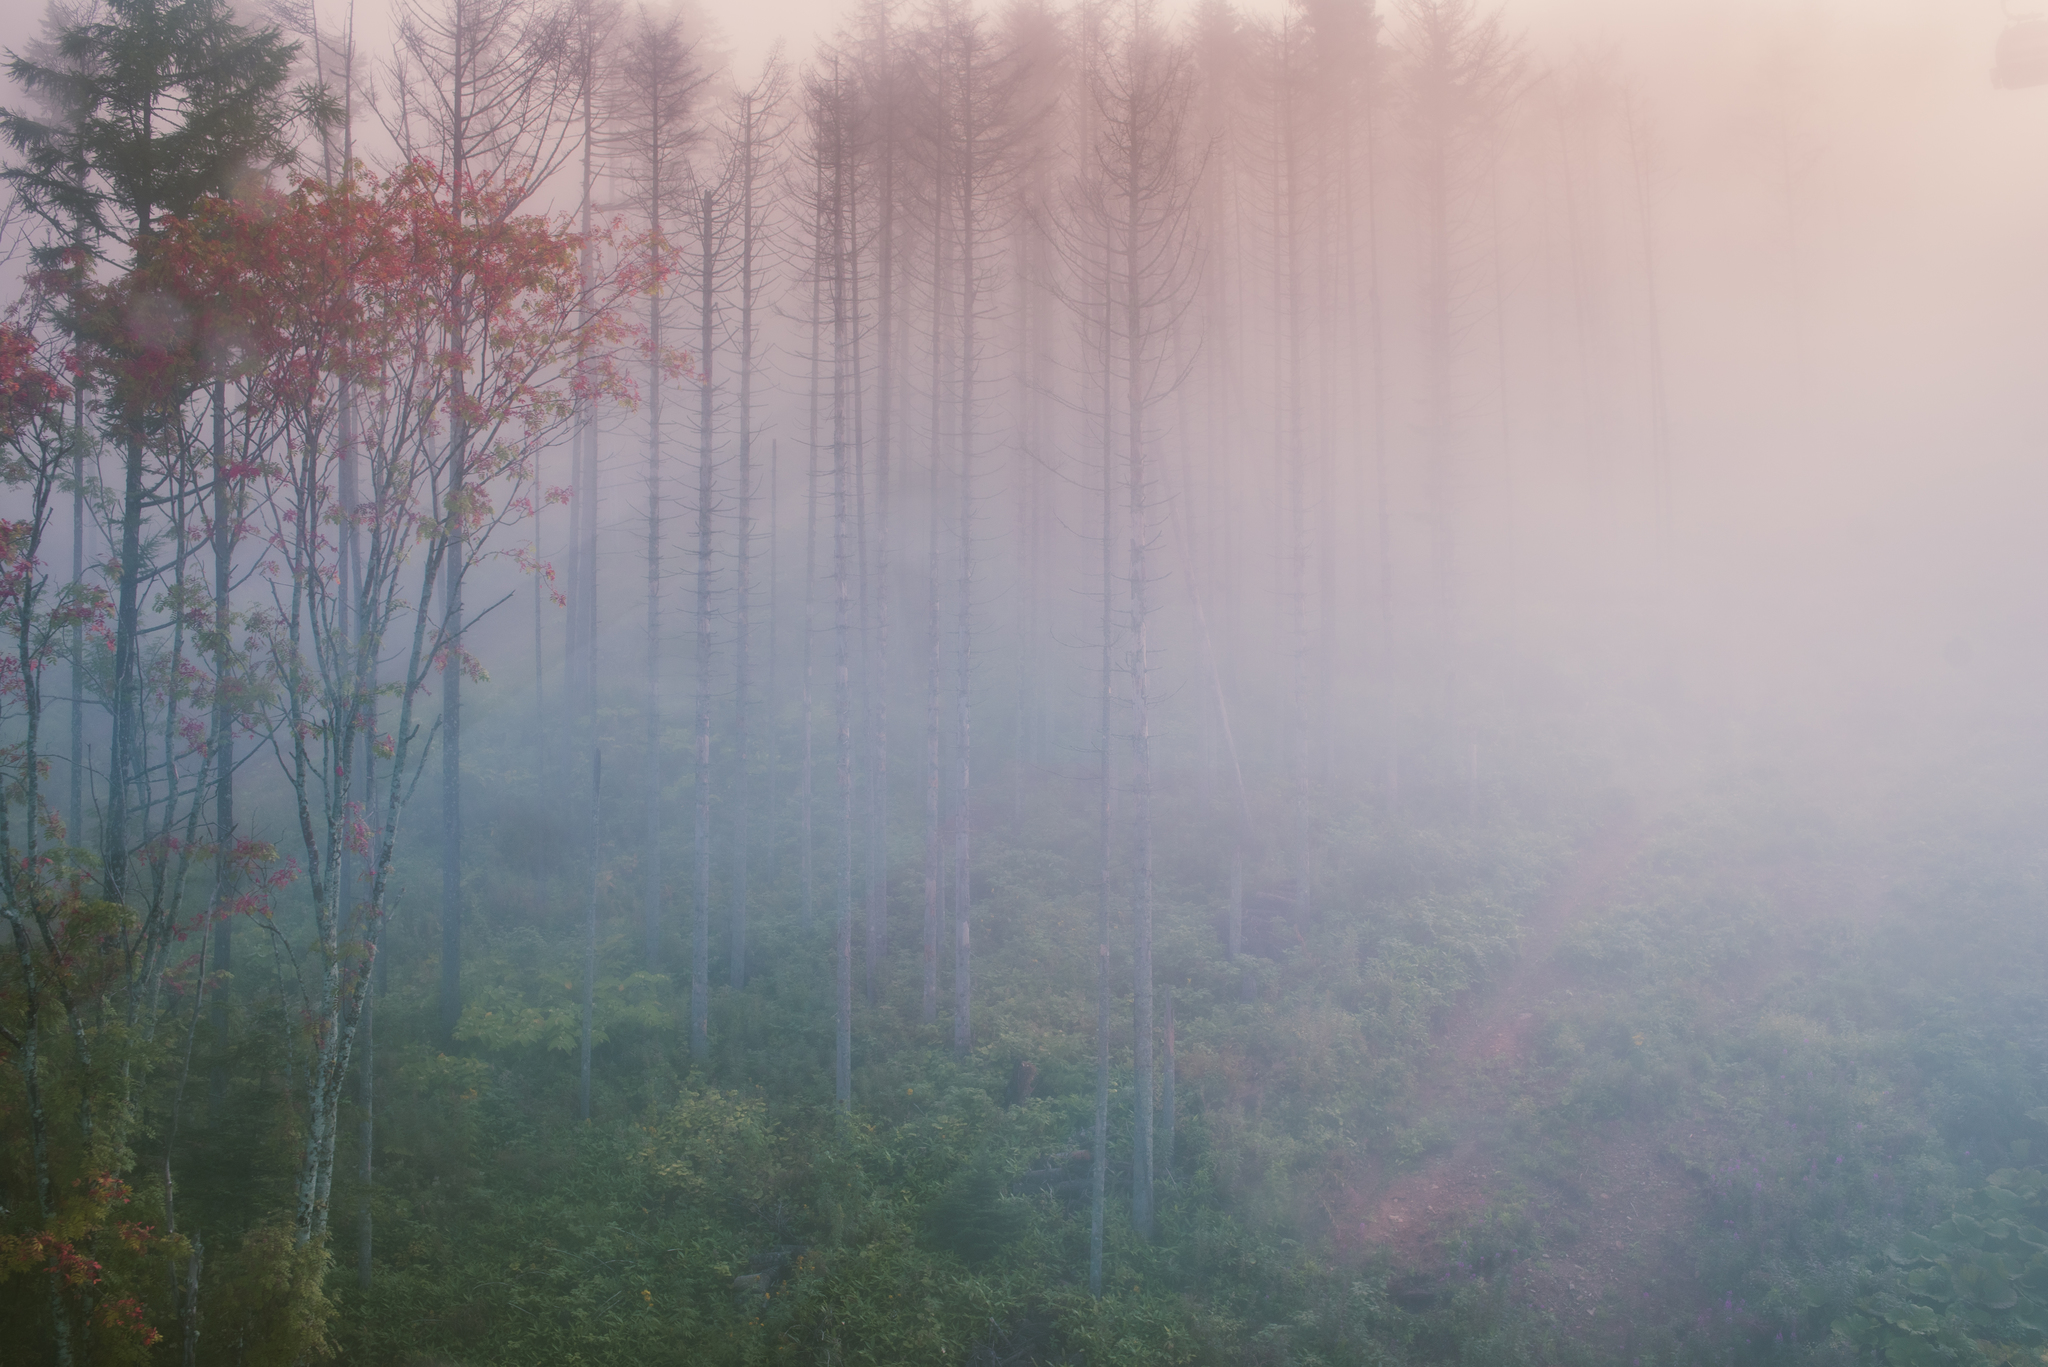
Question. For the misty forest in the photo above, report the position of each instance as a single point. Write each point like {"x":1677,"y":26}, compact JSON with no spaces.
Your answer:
{"x":1068,"y":682}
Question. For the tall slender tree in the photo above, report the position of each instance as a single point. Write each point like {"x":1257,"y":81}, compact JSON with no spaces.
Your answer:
{"x":833,"y":111}
{"x":659,"y":81}
{"x":1137,"y":205}
{"x":972,"y":84}
{"x":883,"y":84}
{"x":479,"y":88}
{"x":154,"y":105}
{"x":583,"y":1036}
{"x":1461,"y":70}
{"x":594,"y":25}
{"x":711,"y":215}
{"x":755,"y":125}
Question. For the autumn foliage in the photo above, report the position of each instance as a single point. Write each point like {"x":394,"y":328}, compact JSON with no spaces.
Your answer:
{"x":270,"y":313}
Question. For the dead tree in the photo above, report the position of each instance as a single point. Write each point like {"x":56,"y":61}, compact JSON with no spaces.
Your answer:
{"x":935,"y":148}
{"x":970,"y":110}
{"x":755,"y":124}
{"x":1287,"y":177}
{"x":1133,"y":212}
{"x":1148,"y":179}
{"x":1461,"y":69}
{"x":658,"y":84}
{"x":832,"y":110}
{"x":884,"y":95}
{"x":593,"y":25}
{"x":711,"y":217}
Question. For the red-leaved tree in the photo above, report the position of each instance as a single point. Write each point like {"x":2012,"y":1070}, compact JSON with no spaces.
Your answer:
{"x":347,"y":346}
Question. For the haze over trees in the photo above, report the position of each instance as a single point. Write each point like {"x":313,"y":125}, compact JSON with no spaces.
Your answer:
{"x":1151,"y":587}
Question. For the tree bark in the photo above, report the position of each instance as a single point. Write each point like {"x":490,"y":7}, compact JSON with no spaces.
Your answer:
{"x":842,"y":591}
{"x":710,"y":232}
{"x":1166,"y":1101}
{"x":933,"y":830}
{"x":885,"y":396}
{"x":589,"y":943}
{"x":650,"y":715}
{"x":806,"y":779}
{"x":972,"y":173}
{"x":754,"y":107}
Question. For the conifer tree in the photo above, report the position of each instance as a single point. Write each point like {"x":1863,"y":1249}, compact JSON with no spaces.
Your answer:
{"x":156,"y":104}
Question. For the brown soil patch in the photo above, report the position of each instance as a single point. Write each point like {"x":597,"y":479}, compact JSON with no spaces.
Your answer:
{"x":1631,"y":1218}
{"x":1614,"y":1233}
{"x":1467,"y":1079}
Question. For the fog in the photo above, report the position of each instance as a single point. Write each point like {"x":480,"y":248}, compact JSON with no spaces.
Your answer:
{"x":1842,"y":222}
{"x":1312,"y":683}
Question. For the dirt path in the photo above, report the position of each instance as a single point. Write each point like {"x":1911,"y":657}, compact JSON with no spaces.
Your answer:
{"x":1608,"y":1231}
{"x":1466,"y":1082}
{"x":1613,"y":1226}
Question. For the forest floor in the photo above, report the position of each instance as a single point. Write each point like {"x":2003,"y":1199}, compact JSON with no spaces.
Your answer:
{"x":1614,"y":1222}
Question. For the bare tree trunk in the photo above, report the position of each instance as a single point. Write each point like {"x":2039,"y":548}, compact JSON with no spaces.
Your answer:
{"x":581,"y":670}
{"x":971,"y":174}
{"x":1106,"y":676}
{"x":366,"y":1079}
{"x":589,"y":943}
{"x":1290,"y":209}
{"x":1383,"y":530}
{"x":1354,"y":74}
{"x":1437,"y":362}
{"x":811,"y":545}
{"x":1138,"y":491}
{"x":1166,"y":1102}
{"x":878,"y":765}
{"x":80,"y":779}
{"x":700,"y":951}
{"x":754,"y":107}
{"x":933,"y":834}
{"x":540,"y":667}
{"x":30,"y":924}
{"x":585,"y":511}
{"x":842,"y":595}
{"x":191,"y":1315}
{"x":650,"y":756}
{"x":451,"y":611}
{"x":127,"y":646}
{"x":659,"y":76}
{"x":864,"y":588}
{"x":366,"y":1087}
{"x":1138,"y":200}
{"x":1105,"y":809}
{"x":742,"y":796}
{"x":350,"y":619}
{"x":223,"y":738}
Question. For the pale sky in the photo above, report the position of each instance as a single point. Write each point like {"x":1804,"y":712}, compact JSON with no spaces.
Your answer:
{"x":752,"y":28}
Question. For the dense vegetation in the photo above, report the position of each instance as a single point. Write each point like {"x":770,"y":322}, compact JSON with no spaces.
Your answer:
{"x":1810,"y":1023}
{"x":1114,"y":785}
